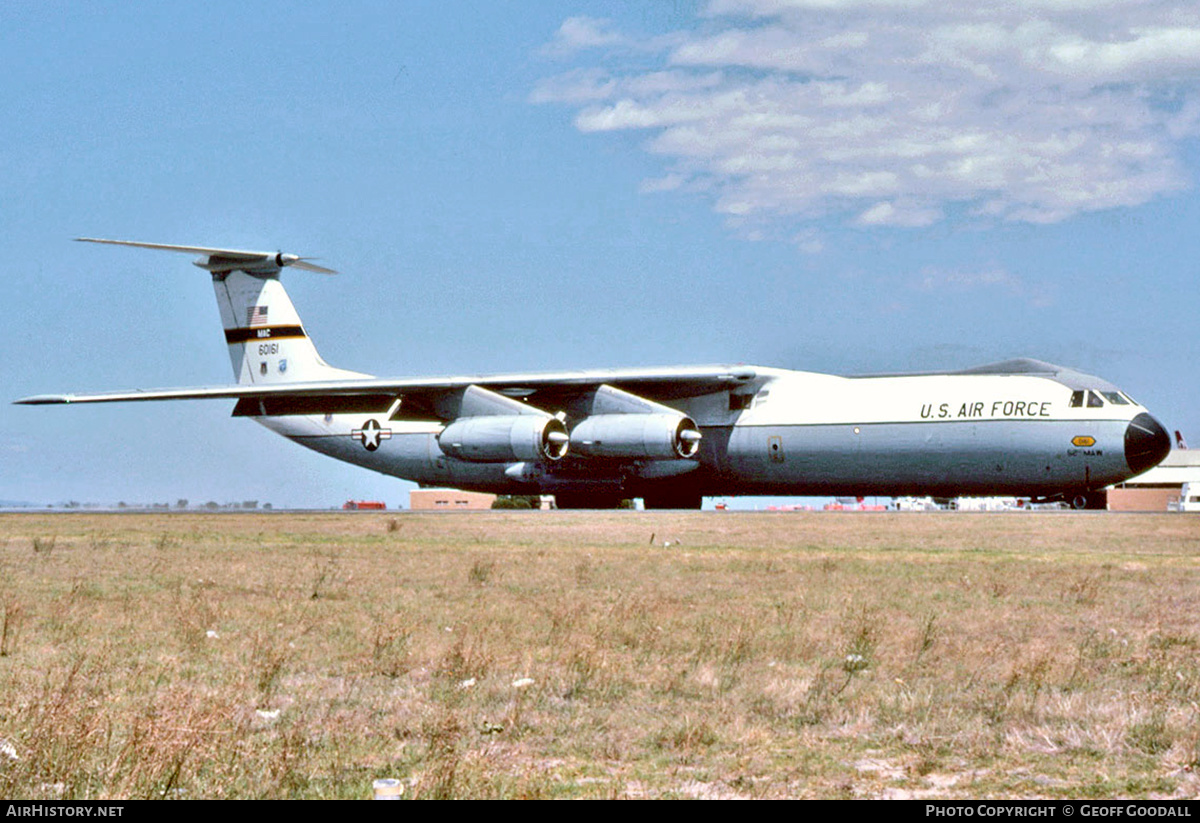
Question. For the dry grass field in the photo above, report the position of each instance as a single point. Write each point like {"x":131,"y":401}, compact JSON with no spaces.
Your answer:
{"x":570,"y":654}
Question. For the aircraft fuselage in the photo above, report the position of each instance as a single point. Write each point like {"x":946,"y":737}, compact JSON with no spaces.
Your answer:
{"x":802,"y":433}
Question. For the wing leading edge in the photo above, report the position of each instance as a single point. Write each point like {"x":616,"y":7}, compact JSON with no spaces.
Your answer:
{"x":665,"y":383}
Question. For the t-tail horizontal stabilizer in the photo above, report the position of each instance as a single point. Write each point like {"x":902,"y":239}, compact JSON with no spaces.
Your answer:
{"x":226,"y":260}
{"x":267,"y":342}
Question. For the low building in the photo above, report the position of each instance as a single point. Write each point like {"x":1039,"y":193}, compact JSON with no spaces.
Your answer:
{"x":448,"y":500}
{"x":1158,"y":488}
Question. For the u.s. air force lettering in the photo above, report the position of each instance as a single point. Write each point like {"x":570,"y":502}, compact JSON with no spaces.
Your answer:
{"x":984,"y":409}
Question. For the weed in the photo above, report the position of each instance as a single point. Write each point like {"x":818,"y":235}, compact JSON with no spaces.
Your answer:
{"x":268,"y":656}
{"x":585,"y":571}
{"x":1150,"y":735}
{"x":818,"y":698}
{"x":11,"y":615}
{"x":466,"y":658}
{"x":788,"y":613}
{"x":442,"y":758}
{"x":1160,"y":641}
{"x":43,"y":545}
{"x":195,"y":615}
{"x":585,"y":670}
{"x":390,"y":640}
{"x":927,"y":636}
{"x":481,"y":571}
{"x":688,"y":737}
{"x":929,"y":757}
{"x":324,"y":575}
{"x":863,"y":629}
{"x":1084,"y":590}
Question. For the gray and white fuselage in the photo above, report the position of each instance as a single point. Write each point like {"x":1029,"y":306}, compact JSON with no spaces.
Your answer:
{"x":1014,"y":431}
{"x":670,"y":435}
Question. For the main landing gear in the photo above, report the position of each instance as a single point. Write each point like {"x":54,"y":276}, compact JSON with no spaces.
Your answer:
{"x":659,"y":500}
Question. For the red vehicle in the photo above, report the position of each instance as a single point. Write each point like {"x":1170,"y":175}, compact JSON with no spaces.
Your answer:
{"x":363,"y":505}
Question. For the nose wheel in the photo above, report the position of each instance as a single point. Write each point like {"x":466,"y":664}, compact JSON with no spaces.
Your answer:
{"x":1089,"y":500}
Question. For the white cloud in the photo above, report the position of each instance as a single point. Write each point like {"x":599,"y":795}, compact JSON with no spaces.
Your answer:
{"x":897,"y":114}
{"x":809,"y":241}
{"x":994,"y":279}
{"x":934,"y":279}
{"x":670,"y":182}
{"x":906,"y":214}
{"x":578,"y":86}
{"x":580,"y":33}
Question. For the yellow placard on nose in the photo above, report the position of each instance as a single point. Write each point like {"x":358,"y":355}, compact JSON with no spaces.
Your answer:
{"x":1083,"y":441}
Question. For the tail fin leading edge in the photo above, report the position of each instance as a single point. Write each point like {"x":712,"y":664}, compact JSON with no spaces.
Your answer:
{"x":267,"y":342}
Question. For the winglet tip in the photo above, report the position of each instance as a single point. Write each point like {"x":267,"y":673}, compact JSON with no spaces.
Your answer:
{"x":42,"y":400}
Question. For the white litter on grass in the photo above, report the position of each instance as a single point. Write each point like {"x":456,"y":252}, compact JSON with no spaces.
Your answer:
{"x":269,"y":716}
{"x":466,"y":684}
{"x":8,"y":750}
{"x":387,"y":788}
{"x":212,"y":635}
{"x":522,"y":683}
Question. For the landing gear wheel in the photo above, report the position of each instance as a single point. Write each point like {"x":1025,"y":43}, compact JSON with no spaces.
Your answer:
{"x":1094,"y":500}
{"x":586,"y":500}
{"x":673,"y":500}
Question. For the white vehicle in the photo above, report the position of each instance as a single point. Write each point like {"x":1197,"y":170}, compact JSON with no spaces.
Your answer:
{"x":1189,"y":499}
{"x":1021,"y":428}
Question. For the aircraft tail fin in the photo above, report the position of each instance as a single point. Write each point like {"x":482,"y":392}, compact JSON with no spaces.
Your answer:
{"x":267,"y":342}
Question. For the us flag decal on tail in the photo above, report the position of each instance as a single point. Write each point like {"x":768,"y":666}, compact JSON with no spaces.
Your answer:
{"x":256,"y":316}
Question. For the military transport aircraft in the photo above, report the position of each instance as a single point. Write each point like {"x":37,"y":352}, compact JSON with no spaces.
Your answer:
{"x":669,"y":435}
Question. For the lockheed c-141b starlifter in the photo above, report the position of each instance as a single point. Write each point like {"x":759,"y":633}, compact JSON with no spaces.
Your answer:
{"x":668,"y":435}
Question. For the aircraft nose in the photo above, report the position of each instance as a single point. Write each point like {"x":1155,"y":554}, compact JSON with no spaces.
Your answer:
{"x":1146,"y":443}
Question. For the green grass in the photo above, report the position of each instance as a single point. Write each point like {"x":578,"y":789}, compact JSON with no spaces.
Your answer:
{"x":761,"y":655}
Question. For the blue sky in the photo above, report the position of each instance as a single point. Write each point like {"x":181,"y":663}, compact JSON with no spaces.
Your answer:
{"x":832,"y":185}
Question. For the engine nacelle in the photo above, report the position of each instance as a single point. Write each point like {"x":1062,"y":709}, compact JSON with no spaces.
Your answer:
{"x":505,"y":438}
{"x":653,"y":436}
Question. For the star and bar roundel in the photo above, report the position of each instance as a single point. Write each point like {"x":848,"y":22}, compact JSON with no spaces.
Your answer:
{"x":371,"y":434}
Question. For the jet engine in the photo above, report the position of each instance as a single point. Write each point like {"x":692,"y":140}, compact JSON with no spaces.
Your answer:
{"x":653,"y":436}
{"x":505,"y":438}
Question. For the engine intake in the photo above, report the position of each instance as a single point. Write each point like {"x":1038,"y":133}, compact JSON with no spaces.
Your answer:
{"x":505,"y":438}
{"x":653,"y":436}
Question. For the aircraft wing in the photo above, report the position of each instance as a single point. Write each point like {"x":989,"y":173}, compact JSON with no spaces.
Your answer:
{"x":376,"y":394}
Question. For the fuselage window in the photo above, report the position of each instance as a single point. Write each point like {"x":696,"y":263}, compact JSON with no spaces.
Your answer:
{"x":1077,"y":399}
{"x":1094,"y":401}
{"x":1115,"y":398}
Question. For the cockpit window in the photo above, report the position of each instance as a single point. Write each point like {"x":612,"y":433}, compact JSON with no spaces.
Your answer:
{"x":1115,"y":398}
{"x":1094,"y":401}
{"x":1077,"y":399}
{"x":1132,"y":402}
